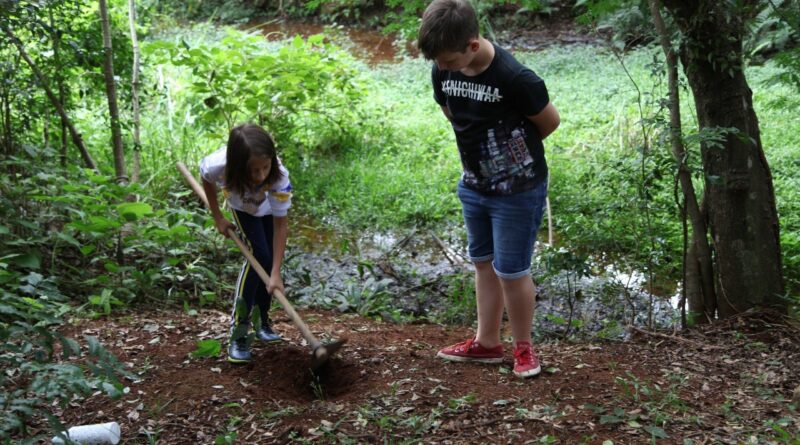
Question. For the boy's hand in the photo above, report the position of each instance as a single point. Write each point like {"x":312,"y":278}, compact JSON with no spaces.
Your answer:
{"x":275,"y":283}
{"x":223,"y":225}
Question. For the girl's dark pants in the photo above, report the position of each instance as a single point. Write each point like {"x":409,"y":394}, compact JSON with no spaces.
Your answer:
{"x":250,"y":289}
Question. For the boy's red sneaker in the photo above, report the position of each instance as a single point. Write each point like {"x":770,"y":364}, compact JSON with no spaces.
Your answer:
{"x":526,"y":363}
{"x":472,"y":351}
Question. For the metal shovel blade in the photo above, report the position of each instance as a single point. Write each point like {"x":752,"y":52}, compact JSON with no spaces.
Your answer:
{"x":322,"y":353}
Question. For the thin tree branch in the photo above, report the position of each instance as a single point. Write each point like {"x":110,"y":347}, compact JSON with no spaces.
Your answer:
{"x":76,"y":137}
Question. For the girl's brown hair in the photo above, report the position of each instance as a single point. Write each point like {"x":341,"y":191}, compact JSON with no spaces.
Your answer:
{"x":447,"y":26}
{"x":244,"y":142}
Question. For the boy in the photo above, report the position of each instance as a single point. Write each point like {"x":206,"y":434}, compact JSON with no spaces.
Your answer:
{"x":500,"y":112}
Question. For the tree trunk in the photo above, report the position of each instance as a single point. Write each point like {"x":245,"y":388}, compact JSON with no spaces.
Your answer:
{"x":6,"y":113}
{"x":111,"y":93}
{"x":137,"y":146}
{"x":62,"y":97}
{"x":741,"y":199}
{"x":59,"y":78}
{"x":46,"y":128}
{"x":700,"y":265}
{"x":76,"y":137}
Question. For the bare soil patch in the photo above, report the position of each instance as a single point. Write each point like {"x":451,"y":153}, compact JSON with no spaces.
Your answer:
{"x":724,"y":383}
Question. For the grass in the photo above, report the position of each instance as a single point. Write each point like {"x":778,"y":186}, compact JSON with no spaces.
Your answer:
{"x":396,"y":163}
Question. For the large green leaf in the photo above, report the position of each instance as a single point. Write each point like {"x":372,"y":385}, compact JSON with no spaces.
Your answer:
{"x":96,"y":224}
{"x":134,"y":211}
{"x":28,"y":260}
{"x":207,"y":348}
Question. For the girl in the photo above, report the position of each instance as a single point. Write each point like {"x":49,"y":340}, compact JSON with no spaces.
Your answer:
{"x":257,"y":188}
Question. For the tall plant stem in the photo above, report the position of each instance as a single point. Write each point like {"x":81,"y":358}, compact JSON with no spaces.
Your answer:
{"x":137,"y":145}
{"x":111,"y":94}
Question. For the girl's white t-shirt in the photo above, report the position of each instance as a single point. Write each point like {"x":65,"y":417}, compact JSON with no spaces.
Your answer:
{"x":274,"y":199}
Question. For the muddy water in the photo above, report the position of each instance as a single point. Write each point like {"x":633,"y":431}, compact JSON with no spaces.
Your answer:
{"x":376,"y":47}
{"x":369,"y":45}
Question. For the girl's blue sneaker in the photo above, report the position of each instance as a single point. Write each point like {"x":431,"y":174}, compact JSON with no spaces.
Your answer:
{"x":239,"y":351}
{"x":267,"y":335}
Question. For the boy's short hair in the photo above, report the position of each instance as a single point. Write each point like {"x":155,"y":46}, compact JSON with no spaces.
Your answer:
{"x":447,"y":26}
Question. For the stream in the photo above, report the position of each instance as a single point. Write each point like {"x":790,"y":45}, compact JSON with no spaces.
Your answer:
{"x":419,"y":274}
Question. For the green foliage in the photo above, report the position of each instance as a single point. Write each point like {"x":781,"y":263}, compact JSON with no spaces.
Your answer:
{"x":777,"y":104}
{"x":601,"y":175}
{"x":560,"y":259}
{"x":64,"y":40}
{"x":461,"y":403}
{"x":460,"y":305}
{"x":772,"y":25}
{"x":339,"y":10}
{"x":789,"y":60}
{"x":384,"y":140}
{"x":356,"y":138}
{"x":783,"y":18}
{"x":627,"y":20}
{"x":218,"y":11}
{"x":227,"y":438}
{"x":110,"y":237}
{"x":406,"y":20}
{"x":106,"y":250}
{"x":239,"y":79}
{"x":784,"y":430}
{"x":369,"y":298}
{"x":32,"y":308}
{"x":403,"y":153}
{"x":207,"y":349}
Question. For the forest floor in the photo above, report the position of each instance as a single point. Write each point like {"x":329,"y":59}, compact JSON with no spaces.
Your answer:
{"x":732,"y":382}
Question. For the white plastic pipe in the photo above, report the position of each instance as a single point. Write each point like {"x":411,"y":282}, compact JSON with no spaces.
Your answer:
{"x":97,"y":434}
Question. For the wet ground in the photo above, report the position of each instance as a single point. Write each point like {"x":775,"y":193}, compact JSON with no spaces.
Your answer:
{"x":422,"y":273}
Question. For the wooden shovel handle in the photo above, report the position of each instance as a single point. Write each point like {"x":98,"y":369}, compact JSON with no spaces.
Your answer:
{"x":307,"y":334}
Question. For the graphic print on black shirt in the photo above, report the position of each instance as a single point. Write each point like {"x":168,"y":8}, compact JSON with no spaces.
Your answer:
{"x":504,"y":159}
{"x":501,"y":150}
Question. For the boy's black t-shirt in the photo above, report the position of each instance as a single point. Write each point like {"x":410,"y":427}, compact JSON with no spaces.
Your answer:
{"x":501,"y":150}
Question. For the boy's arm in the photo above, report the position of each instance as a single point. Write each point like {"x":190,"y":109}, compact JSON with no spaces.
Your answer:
{"x":446,"y":111}
{"x":547,"y":120}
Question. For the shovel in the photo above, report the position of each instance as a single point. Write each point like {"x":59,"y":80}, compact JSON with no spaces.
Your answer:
{"x":320,"y":353}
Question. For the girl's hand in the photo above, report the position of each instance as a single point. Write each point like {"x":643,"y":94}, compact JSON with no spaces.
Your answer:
{"x":275,"y":283}
{"x":223,"y":225}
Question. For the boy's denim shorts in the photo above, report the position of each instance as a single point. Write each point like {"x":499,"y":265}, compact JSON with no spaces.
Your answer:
{"x":503,"y":228}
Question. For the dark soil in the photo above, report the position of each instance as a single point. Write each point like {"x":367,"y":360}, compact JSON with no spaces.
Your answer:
{"x":726,"y":383}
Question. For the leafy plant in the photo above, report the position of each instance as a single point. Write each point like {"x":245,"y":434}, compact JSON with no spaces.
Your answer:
{"x":36,"y":378}
{"x":574,"y":266}
{"x":369,"y":298}
{"x":104,"y":301}
{"x":460,"y":306}
{"x":226,"y":438}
